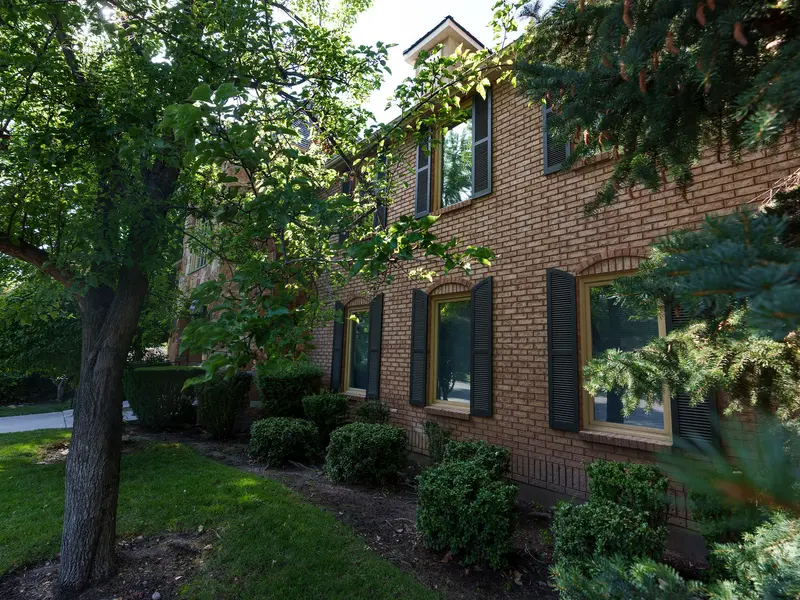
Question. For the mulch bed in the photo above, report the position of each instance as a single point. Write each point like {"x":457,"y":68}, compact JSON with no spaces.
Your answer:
{"x":157,"y":564}
{"x":386,"y":519}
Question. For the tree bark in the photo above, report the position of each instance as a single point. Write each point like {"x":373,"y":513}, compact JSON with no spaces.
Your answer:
{"x":110,"y":319}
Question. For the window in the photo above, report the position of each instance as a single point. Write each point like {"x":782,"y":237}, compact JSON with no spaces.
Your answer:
{"x":197,"y":260}
{"x":197,"y":246}
{"x":356,"y":350}
{"x":459,"y":166}
{"x":456,"y":163}
{"x":451,"y":319}
{"x":605,"y":325}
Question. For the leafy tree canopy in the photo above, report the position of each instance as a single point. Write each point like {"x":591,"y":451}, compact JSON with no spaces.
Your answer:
{"x":121,"y":122}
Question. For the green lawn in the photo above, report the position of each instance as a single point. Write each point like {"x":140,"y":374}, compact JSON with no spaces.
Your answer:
{"x":271,"y":544}
{"x":32,"y":409}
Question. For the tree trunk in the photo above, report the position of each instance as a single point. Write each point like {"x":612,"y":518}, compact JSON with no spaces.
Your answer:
{"x":109,"y":319}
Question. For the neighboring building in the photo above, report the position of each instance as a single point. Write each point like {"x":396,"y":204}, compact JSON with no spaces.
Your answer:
{"x":498,"y":355}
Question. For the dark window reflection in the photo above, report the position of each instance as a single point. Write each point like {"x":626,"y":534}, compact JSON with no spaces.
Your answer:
{"x":453,"y":323}
{"x":613,"y":328}
{"x":359,"y":349}
{"x":457,"y":164}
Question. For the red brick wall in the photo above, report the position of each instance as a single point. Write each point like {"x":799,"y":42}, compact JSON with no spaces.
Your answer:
{"x":533,"y":222}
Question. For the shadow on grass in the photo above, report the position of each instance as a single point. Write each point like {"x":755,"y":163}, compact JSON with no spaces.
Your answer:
{"x":267,"y":543}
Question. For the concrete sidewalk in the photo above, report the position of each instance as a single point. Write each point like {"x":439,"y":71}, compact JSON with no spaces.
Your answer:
{"x":53,"y":420}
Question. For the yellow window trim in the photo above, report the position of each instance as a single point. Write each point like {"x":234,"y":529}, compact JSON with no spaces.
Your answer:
{"x":433,"y":313}
{"x":348,"y":342}
{"x":436,"y":160}
{"x":585,"y":284}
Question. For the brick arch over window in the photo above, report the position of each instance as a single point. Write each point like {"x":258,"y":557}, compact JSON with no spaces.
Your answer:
{"x":448,"y":285}
{"x":357,"y":301}
{"x":612,"y":261}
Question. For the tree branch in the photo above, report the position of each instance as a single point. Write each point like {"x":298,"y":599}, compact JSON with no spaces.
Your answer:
{"x":34,"y":255}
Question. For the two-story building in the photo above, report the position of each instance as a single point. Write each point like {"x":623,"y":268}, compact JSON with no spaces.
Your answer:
{"x":498,"y":355}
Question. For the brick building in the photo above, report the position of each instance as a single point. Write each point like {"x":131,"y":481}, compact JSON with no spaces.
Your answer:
{"x":497,"y":355}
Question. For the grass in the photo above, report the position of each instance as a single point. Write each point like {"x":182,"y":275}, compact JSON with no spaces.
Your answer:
{"x":268,"y":543}
{"x":32,"y":409}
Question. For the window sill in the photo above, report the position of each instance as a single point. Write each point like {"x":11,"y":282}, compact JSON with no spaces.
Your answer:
{"x":606,"y":156}
{"x":454,"y":412}
{"x":353,"y":393}
{"x":649,"y":444}
{"x":453,"y":207}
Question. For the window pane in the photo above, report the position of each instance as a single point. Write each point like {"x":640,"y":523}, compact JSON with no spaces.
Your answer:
{"x":359,"y":349}
{"x":612,"y":328}
{"x":453,"y":323}
{"x":457,"y":164}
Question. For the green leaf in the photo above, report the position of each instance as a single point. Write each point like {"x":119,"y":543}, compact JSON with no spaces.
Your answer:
{"x":224,"y":93}
{"x":202,"y":93}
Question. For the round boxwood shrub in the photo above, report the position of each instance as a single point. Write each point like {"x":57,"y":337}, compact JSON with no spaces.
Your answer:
{"x":366,"y":453}
{"x":602,"y":528}
{"x":372,"y":411}
{"x":495,"y":459}
{"x":283,"y":386}
{"x":277,"y":440}
{"x":219,"y":401}
{"x":639,"y":487}
{"x":157,"y":398}
{"x":327,"y":411}
{"x":464,"y":509}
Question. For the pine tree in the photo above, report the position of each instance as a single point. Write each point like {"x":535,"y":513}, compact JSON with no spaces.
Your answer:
{"x":660,"y":81}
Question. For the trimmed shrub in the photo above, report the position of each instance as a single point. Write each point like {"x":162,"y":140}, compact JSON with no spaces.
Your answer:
{"x":723,"y":521}
{"x":639,"y":487}
{"x":157,"y":398}
{"x":496,"y":460}
{"x":366,"y":453}
{"x":601,"y":528}
{"x":283,"y":386}
{"x":327,"y":411}
{"x":18,"y":388}
{"x":372,"y":411}
{"x":467,"y":511}
{"x":219,"y":401}
{"x":619,"y":579}
{"x":437,"y":440}
{"x":278,"y":440}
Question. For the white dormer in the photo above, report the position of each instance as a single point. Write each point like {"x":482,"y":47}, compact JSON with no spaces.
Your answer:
{"x":448,"y":33}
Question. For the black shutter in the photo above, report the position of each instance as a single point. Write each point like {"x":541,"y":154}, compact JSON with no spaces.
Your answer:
{"x":555,"y":154}
{"x":379,"y":217}
{"x":482,"y":144}
{"x":348,"y":186}
{"x":338,"y":347}
{"x":697,"y":424}
{"x":419,"y":348}
{"x":480,"y":396}
{"x":562,"y":351}
{"x":374,"y":354}
{"x":422,"y":199}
